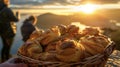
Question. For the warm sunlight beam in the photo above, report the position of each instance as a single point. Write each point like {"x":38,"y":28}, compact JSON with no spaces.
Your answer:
{"x":87,"y":8}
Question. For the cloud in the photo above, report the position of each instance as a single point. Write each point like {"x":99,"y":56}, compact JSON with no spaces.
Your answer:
{"x":101,"y":1}
{"x":57,"y":2}
{"x":23,"y":2}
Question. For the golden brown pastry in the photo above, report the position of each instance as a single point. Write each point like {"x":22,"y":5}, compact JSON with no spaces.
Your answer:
{"x":23,"y":49}
{"x":71,"y":29}
{"x":94,"y":44}
{"x":91,"y":31}
{"x":36,"y":34}
{"x":63,"y":29}
{"x":69,"y":51}
{"x":51,"y":47}
{"x":31,"y":49}
{"x":48,"y":56}
{"x":50,"y":35}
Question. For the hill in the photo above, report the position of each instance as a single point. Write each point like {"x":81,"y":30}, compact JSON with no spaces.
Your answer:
{"x":48,"y":19}
{"x":101,"y":18}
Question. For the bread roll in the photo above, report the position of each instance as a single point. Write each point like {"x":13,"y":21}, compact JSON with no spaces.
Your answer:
{"x":72,"y":29}
{"x":31,"y":49}
{"x":91,"y":31}
{"x":23,"y":49}
{"x":63,"y":29}
{"x":34,"y":51}
{"x":50,"y":35}
{"x":36,"y":34}
{"x":73,"y":32}
{"x":94,"y":45}
{"x":48,"y":56}
{"x":69,"y":51}
{"x":51,"y":47}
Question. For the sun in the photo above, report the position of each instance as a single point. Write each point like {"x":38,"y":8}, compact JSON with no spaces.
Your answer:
{"x":87,"y":8}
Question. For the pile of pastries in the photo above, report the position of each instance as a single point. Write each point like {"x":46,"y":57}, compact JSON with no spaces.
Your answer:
{"x":64,"y":43}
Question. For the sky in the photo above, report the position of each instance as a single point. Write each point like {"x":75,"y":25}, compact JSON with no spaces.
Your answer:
{"x":53,"y":5}
{"x":58,"y":2}
{"x":42,"y":3}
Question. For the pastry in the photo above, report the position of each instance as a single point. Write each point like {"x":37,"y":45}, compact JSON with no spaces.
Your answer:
{"x":69,"y":51}
{"x":72,"y":31}
{"x":91,"y":31}
{"x":36,"y":34}
{"x":50,"y":35}
{"x":31,"y":49}
{"x":63,"y":29}
{"x":48,"y":56}
{"x":51,"y":47}
{"x":94,"y":45}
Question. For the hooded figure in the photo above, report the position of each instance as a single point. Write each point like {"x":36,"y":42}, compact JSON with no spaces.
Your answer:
{"x":6,"y":31}
{"x":28,"y":27}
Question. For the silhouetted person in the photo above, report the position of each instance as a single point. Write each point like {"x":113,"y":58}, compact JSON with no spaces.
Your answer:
{"x":6,"y":31}
{"x":28,"y":27}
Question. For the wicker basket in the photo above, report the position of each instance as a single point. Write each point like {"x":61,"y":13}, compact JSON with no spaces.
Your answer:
{"x":98,"y":60}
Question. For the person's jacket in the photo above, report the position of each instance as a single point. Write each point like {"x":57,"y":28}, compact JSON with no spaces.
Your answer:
{"x":6,"y":17}
{"x":26,"y":30}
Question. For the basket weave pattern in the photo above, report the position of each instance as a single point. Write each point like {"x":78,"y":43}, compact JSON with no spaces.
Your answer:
{"x":98,"y":60}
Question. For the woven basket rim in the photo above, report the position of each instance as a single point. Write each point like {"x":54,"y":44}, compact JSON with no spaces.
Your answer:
{"x":96,"y":59}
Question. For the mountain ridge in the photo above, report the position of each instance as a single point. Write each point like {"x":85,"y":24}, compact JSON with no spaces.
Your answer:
{"x":100,"y":19}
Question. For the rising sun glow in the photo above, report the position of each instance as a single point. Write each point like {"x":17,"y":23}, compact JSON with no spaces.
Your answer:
{"x":87,"y":8}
